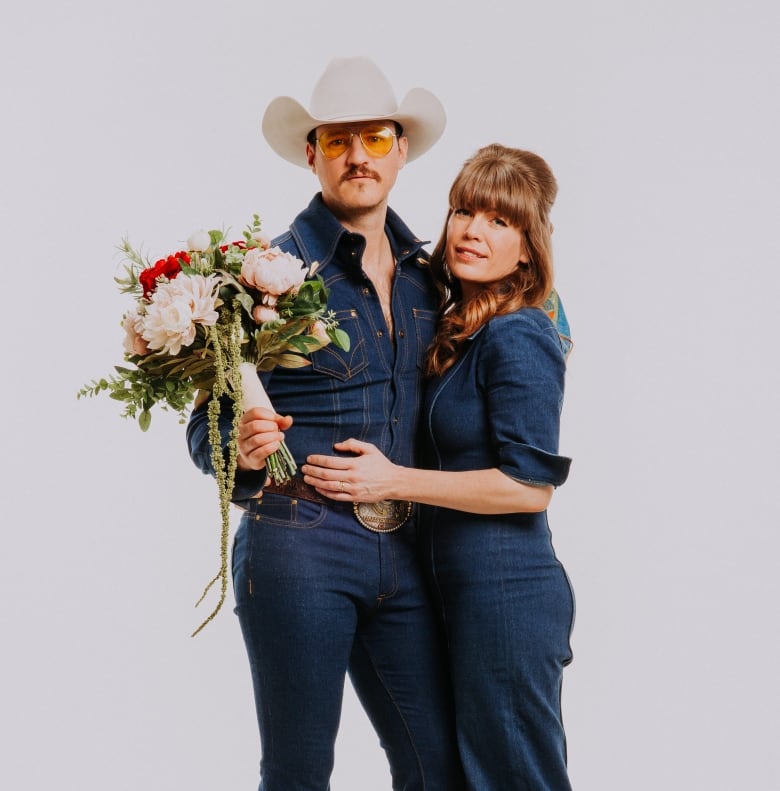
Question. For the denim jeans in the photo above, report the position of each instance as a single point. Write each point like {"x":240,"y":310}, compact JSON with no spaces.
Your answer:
{"x":318,"y":595}
{"x":508,"y":611}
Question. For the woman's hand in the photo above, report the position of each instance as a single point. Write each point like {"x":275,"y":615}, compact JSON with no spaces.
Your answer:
{"x":367,"y":477}
{"x":260,"y":433}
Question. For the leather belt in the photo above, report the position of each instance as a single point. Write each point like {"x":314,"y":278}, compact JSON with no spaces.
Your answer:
{"x":382,"y":517}
{"x":297,"y":487}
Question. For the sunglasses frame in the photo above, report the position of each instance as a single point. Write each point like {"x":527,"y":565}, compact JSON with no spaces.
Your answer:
{"x":359,"y":133}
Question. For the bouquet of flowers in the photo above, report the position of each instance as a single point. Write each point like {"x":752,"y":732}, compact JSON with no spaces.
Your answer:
{"x":207,"y":319}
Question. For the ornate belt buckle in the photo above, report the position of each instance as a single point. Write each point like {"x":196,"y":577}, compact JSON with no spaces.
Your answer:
{"x":384,"y":516}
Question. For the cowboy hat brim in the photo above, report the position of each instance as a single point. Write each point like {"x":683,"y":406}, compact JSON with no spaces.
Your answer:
{"x":286,"y":124}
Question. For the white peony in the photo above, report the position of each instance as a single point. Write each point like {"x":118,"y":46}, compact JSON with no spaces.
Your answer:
{"x":176,"y":307}
{"x":272,"y":271}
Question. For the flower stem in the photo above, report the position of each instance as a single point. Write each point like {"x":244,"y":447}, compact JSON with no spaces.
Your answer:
{"x":281,"y":465}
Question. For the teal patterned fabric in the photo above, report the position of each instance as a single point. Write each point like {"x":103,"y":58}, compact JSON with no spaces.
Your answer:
{"x":554,"y":309}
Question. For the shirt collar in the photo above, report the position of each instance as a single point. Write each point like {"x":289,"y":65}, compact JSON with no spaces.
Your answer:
{"x":319,"y":234}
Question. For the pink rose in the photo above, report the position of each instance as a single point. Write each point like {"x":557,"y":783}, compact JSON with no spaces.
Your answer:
{"x":263,"y":313}
{"x":132,"y":324}
{"x":317,"y":330}
{"x":272,"y":271}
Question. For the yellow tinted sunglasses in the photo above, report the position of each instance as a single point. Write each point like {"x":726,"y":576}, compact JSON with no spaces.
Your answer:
{"x":377,"y":140}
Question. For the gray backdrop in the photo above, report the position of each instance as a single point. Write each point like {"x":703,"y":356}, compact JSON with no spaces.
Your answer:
{"x":142,"y":119}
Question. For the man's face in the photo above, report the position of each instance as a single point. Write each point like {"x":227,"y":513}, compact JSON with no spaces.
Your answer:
{"x":358,"y":178}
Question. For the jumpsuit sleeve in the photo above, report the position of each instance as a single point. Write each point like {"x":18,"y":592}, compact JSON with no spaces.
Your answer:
{"x":522,"y":371}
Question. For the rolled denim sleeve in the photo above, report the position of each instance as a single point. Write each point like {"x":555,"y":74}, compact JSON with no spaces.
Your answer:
{"x":248,"y":482}
{"x":522,"y":371}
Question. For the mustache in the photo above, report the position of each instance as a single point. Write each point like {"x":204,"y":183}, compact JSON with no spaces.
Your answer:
{"x":361,"y":170}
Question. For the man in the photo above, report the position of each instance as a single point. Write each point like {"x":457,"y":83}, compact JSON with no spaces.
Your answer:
{"x":321,"y":589}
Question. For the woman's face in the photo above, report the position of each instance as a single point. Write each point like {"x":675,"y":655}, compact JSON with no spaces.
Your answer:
{"x":482,"y":247}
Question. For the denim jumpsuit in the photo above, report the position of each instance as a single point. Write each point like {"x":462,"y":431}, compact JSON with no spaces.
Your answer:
{"x":502,"y":594}
{"x":317,"y":594}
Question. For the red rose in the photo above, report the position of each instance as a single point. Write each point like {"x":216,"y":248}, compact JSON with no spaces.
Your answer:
{"x":148,"y":280}
{"x":241,"y":245}
{"x":166,"y":267}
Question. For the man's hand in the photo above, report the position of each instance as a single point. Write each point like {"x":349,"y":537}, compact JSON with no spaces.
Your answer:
{"x":260,"y":433}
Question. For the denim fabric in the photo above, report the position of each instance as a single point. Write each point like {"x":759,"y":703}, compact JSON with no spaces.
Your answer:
{"x":316,"y":593}
{"x":505,"y":600}
{"x":500,"y":404}
{"x":508,"y":611}
{"x":372,"y":391}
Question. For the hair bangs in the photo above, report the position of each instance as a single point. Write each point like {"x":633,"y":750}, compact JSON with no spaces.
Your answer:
{"x":491,"y":185}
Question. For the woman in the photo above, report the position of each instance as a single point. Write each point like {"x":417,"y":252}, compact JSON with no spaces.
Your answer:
{"x":490,"y":449}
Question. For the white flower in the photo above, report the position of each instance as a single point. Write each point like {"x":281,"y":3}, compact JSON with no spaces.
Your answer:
{"x":199,"y":241}
{"x":272,"y":271}
{"x":176,"y":307}
{"x":133,"y":325}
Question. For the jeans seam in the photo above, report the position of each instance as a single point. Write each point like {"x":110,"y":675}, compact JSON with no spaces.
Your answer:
{"x":398,"y":709}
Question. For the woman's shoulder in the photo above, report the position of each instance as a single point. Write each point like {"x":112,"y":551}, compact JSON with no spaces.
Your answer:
{"x":525,"y":320}
{"x":518,"y":332}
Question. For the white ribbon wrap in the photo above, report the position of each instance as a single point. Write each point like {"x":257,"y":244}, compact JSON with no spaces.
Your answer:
{"x":252,"y":390}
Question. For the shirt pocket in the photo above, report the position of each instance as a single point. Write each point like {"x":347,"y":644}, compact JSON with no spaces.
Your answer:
{"x":340,"y":364}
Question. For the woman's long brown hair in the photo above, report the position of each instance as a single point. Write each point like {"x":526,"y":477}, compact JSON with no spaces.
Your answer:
{"x":521,"y":188}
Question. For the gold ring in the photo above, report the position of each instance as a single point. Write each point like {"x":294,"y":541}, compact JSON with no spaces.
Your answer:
{"x":341,"y":486}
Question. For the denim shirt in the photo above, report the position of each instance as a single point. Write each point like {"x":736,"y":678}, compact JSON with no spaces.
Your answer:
{"x":371,"y":392}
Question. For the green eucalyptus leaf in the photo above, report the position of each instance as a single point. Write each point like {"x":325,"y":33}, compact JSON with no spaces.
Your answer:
{"x":246,"y":301}
{"x":305,"y":343}
{"x":339,"y":338}
{"x":287,"y":360}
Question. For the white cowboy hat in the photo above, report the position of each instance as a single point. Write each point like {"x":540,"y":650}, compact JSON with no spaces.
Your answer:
{"x":352,"y":90}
